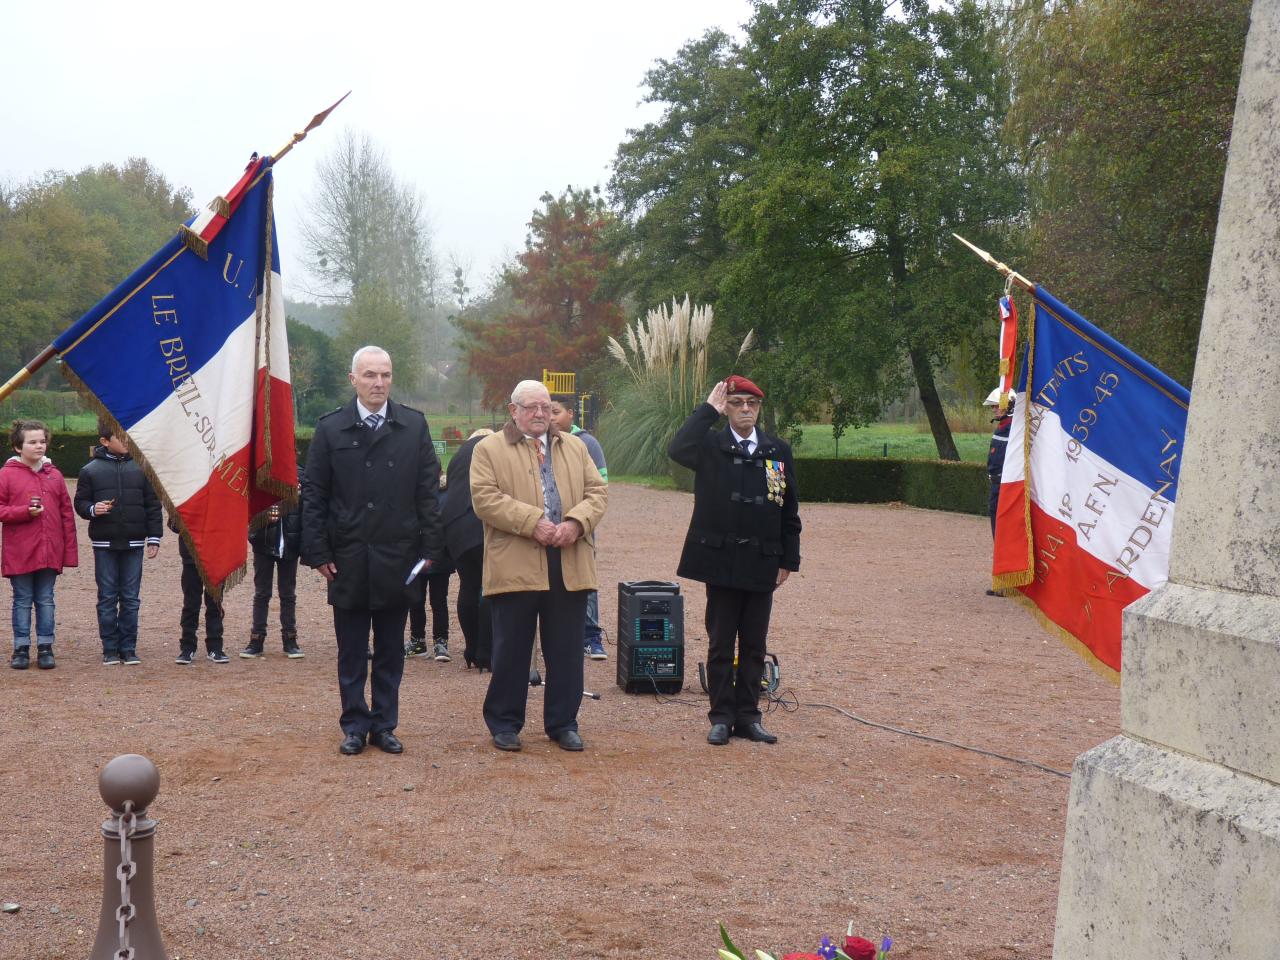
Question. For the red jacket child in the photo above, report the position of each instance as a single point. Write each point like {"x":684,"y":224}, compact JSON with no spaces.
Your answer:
{"x":43,"y":542}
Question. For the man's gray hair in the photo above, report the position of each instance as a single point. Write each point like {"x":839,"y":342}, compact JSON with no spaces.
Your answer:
{"x":369,"y":348}
{"x":524,"y":388}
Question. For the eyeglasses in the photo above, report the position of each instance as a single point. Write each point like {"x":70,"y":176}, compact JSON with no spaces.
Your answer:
{"x":535,"y":407}
{"x":739,"y":402}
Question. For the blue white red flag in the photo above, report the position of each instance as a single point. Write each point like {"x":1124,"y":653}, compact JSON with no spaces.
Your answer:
{"x":190,"y":360}
{"x":1090,"y":481}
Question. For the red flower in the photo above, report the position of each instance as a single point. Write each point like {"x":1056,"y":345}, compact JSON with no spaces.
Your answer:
{"x":859,"y":948}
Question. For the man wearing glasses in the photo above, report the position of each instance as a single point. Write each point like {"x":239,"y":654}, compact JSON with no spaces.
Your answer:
{"x":540,"y":498}
{"x":743,"y":543}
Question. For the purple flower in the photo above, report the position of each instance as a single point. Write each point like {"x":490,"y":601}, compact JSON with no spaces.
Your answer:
{"x":885,"y":944}
{"x":827,"y":951}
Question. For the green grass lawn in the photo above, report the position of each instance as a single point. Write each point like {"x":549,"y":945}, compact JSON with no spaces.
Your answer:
{"x":899,"y":441}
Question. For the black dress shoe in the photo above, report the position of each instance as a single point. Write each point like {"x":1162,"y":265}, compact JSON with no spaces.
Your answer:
{"x":719,"y":734}
{"x":507,"y":740}
{"x":351,"y":744}
{"x":755,"y":731}
{"x":386,"y":741}
{"x":569,"y":740}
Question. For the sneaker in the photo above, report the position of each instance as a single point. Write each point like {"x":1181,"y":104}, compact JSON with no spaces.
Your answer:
{"x":184,"y":658}
{"x":595,"y":649}
{"x":442,"y":651}
{"x":219,"y":656}
{"x":44,"y":656}
{"x":130,"y":658}
{"x":253,"y":651}
{"x":416,"y":647}
{"x":110,"y":659}
{"x":21,"y":658}
{"x":293,"y":651}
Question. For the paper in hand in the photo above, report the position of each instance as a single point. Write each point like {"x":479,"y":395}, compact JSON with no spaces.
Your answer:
{"x":417,"y":569}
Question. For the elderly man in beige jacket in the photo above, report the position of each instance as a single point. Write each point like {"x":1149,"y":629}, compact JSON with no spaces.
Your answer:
{"x":540,"y":498}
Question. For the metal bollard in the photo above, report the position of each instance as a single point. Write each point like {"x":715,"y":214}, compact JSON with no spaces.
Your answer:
{"x":127,"y":927}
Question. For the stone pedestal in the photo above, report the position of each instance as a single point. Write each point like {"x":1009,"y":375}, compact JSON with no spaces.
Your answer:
{"x":1173,"y":831}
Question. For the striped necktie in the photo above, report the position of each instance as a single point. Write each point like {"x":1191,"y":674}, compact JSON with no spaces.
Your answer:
{"x":373,"y":421}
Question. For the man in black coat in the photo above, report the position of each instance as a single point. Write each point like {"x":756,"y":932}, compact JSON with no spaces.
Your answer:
{"x":464,"y":539}
{"x":369,"y":517}
{"x":743,"y":543}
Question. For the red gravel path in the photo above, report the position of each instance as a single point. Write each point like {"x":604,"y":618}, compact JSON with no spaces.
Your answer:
{"x":270,"y":844}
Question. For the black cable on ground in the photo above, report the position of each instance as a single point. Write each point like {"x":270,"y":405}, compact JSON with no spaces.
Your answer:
{"x":926,"y":737}
{"x":788,"y":702}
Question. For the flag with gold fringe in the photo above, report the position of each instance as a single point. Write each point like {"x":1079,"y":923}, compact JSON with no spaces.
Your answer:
{"x":1090,"y":480}
{"x":188,"y":358}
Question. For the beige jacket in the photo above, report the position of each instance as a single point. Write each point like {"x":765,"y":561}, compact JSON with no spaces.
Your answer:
{"x":506,"y":495}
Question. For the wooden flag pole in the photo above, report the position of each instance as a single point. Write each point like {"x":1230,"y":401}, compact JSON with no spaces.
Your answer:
{"x":48,"y":353}
{"x":1004,"y":269}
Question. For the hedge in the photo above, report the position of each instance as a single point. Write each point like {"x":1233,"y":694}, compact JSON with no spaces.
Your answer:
{"x":71,"y":451}
{"x":933,"y":484}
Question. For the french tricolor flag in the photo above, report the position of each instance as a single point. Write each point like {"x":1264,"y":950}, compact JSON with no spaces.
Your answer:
{"x":1089,"y":488}
{"x":189,"y":357}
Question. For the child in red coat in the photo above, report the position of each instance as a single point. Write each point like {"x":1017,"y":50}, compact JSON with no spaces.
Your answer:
{"x":39,"y":538}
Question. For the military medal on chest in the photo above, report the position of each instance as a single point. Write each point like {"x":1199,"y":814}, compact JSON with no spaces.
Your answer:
{"x":775,"y":478}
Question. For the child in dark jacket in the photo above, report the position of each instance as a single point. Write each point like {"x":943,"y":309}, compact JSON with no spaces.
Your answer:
{"x":39,"y":539}
{"x":275,"y":557}
{"x":434,"y":587}
{"x":125,"y":519}
{"x":193,"y":591}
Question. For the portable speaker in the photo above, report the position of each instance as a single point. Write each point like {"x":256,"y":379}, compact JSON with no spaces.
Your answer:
{"x":650,"y":636}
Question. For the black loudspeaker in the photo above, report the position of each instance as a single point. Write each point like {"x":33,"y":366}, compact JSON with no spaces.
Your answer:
{"x":650,"y":636}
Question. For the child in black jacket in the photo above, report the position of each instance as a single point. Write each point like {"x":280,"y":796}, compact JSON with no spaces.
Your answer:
{"x":275,"y":557}
{"x":125,"y":519}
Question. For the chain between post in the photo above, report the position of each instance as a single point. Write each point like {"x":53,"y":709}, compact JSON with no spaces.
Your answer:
{"x":127,"y":825}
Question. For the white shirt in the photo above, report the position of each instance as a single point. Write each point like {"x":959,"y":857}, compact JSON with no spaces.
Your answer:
{"x":364,"y":411}
{"x":752,"y":441}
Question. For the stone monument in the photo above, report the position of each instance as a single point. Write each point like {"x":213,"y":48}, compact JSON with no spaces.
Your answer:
{"x":1173,"y":831}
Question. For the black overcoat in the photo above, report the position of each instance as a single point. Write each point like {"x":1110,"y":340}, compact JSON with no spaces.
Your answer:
{"x":370,"y":505}
{"x":737,"y":536}
{"x":463,"y":530}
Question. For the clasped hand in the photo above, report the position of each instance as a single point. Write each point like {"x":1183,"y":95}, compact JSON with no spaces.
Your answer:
{"x":562,"y":534}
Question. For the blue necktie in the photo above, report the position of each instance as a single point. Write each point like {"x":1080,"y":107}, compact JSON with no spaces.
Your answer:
{"x":373,"y":421}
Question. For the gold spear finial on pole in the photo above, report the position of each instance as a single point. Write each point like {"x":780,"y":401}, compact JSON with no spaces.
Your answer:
{"x":1004,"y":269}
{"x":318,"y":119}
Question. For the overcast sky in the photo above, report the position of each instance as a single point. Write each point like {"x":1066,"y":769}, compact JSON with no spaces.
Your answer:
{"x":482,"y":106}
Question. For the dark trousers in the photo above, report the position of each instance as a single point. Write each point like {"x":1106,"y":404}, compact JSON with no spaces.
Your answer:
{"x":433,"y":589}
{"x":352,"y":628}
{"x":562,"y":615}
{"x":473,"y":610}
{"x":741,"y":615}
{"x":267,"y":568}
{"x":119,"y":576}
{"x":993,"y":499}
{"x":192,"y":592}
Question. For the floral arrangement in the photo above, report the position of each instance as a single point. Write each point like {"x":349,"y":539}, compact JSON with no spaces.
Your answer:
{"x":855,"y":948}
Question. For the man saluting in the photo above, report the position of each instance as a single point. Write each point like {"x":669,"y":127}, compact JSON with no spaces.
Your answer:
{"x":743,"y":543}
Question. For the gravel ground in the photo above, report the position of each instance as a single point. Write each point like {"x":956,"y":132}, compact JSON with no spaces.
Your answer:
{"x":270,"y":844}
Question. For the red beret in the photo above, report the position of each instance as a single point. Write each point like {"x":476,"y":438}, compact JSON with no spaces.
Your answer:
{"x":737,"y":384}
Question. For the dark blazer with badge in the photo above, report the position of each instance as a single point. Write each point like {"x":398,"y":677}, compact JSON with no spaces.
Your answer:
{"x":739,"y":536}
{"x":370,"y":505}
